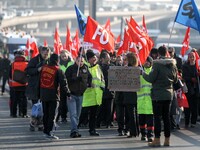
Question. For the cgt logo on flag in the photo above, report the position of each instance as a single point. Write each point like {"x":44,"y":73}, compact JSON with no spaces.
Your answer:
{"x":98,"y":35}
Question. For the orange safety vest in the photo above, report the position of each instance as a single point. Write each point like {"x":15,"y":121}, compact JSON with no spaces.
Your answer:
{"x":17,"y":66}
{"x":48,"y":74}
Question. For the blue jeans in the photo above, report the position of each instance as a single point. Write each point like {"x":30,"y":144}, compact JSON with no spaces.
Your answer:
{"x":74,"y":107}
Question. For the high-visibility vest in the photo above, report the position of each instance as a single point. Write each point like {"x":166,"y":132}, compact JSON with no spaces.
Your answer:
{"x":17,"y":66}
{"x":144,"y":101}
{"x":93,"y":96}
{"x":47,"y":78}
{"x":64,"y":68}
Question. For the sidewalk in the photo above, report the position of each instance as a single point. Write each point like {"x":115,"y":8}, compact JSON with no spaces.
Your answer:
{"x":15,"y":135}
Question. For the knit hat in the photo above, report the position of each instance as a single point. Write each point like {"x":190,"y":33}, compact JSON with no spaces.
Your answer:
{"x":90,"y":54}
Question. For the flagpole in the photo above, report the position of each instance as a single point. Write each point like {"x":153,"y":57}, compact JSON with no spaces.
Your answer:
{"x":171,"y":33}
{"x":139,"y":60}
{"x":80,"y":61}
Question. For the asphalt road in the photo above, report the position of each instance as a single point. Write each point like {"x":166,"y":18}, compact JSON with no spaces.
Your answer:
{"x":15,"y":135}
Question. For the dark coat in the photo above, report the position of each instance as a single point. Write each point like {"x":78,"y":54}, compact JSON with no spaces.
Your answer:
{"x":190,"y":72}
{"x":33,"y":77}
{"x":5,"y":64}
{"x":107,"y":94}
{"x":78,"y":85}
{"x":162,"y":77}
{"x":60,"y":82}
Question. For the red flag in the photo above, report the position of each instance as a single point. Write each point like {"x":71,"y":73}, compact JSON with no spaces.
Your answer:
{"x":98,"y":35}
{"x":28,"y":47}
{"x":141,"y":43}
{"x":35,"y":49}
{"x":118,"y":40}
{"x":57,"y":42}
{"x":197,"y":60}
{"x":107,"y":26}
{"x":75,"y":45}
{"x":68,"y":40}
{"x":186,"y":42}
{"x":45,"y":43}
{"x":124,"y":44}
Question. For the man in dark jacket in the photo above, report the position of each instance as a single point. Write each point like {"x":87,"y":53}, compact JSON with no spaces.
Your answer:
{"x":5,"y":63}
{"x":33,"y":71}
{"x":162,"y":77}
{"x":105,"y":110}
{"x":79,"y":78}
{"x":51,"y":80}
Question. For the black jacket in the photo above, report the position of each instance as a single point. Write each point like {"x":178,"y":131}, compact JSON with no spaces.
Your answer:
{"x":106,"y":93}
{"x":78,"y":85}
{"x":60,"y":83}
{"x":33,"y":77}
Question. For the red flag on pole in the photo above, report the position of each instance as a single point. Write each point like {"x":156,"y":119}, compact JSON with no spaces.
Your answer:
{"x":96,"y":34}
{"x":107,"y":26}
{"x":28,"y":47}
{"x":124,"y":44}
{"x":141,"y":42}
{"x":57,"y":42}
{"x":75,"y":45}
{"x":35,"y":49}
{"x":118,"y":40}
{"x":45,"y":43}
{"x":68,"y":40}
{"x":186,"y":42}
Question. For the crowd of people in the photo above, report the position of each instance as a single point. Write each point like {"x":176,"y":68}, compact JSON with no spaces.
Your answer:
{"x":78,"y":88}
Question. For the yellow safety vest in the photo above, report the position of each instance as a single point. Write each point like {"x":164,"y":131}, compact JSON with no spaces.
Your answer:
{"x":93,"y":96}
{"x":144,"y":101}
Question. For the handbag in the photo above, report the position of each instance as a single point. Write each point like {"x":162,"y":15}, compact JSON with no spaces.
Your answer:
{"x":37,"y":110}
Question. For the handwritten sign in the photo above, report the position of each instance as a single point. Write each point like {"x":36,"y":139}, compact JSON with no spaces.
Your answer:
{"x":121,"y":78}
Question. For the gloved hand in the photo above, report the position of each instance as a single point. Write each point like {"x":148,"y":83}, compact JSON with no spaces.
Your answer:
{"x":194,"y":80}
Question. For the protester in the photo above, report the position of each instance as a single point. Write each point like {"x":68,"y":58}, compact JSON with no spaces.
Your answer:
{"x":121,"y":112}
{"x":172,"y":53}
{"x":5,"y":71}
{"x":104,"y":116}
{"x":162,"y":77}
{"x":130,"y":102}
{"x":144,"y":104}
{"x":18,"y":83}
{"x":113,"y":57}
{"x":78,"y":78}
{"x":1,"y":70}
{"x":52,"y":78}
{"x":191,"y":78}
{"x":65,"y":62}
{"x":33,"y":71}
{"x":154,"y":53}
{"x":92,"y":97}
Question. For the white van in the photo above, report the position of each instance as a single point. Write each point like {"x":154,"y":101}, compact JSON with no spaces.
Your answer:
{"x":177,"y":47}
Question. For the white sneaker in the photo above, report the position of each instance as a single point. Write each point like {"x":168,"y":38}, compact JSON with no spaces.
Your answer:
{"x":51,"y":136}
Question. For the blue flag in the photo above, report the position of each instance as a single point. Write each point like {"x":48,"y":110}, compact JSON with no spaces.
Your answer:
{"x":82,"y":20}
{"x":188,"y":15}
